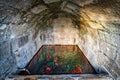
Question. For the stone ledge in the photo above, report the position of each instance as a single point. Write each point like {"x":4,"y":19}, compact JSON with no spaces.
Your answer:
{"x":61,"y":77}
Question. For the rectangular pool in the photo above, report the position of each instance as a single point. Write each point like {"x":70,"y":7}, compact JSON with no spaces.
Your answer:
{"x":59,"y":59}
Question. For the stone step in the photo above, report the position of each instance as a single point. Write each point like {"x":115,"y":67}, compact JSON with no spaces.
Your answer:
{"x":61,"y":77}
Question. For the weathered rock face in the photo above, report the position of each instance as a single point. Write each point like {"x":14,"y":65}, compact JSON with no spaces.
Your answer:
{"x":94,"y":25}
{"x":101,"y":37}
{"x":57,"y":32}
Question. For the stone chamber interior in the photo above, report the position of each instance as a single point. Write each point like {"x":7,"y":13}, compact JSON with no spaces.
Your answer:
{"x":93,"y":25}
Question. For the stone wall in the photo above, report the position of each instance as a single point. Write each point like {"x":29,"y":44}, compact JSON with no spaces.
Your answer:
{"x":60,"y":31}
{"x":21,"y":44}
{"x":16,"y":48}
{"x":100,"y":40}
{"x":24,"y":29}
{"x":17,"y":44}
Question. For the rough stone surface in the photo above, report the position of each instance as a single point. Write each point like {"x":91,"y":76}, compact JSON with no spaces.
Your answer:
{"x":94,"y":25}
{"x":3,"y":27}
{"x":57,"y":32}
{"x":62,"y":77}
{"x":103,"y":41}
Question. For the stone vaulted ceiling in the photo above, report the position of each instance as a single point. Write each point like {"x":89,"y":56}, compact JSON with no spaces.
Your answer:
{"x":44,"y":10}
{"x":97,"y":23}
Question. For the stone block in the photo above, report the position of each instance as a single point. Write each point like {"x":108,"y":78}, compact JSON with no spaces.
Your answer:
{"x":6,"y":66}
{"x":107,"y":49}
{"x":111,"y":34}
{"x":113,"y":27}
{"x":2,"y":36}
{"x":73,"y":7}
{"x":5,"y":50}
{"x":3,"y":27}
{"x":14,"y":45}
{"x":1,"y":68}
{"x":104,"y":36}
{"x":112,"y":69}
{"x":118,"y":60}
{"x":50,"y":1}
{"x":102,"y":59}
{"x":38,"y":9}
{"x":25,"y":53}
{"x":22,"y":40}
{"x":115,"y":39}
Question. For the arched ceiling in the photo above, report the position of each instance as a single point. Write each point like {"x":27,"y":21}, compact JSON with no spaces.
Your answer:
{"x":99,"y":22}
{"x":54,"y":8}
{"x":41,"y":11}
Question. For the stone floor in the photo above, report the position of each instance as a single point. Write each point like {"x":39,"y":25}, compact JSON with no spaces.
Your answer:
{"x":61,"y":77}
